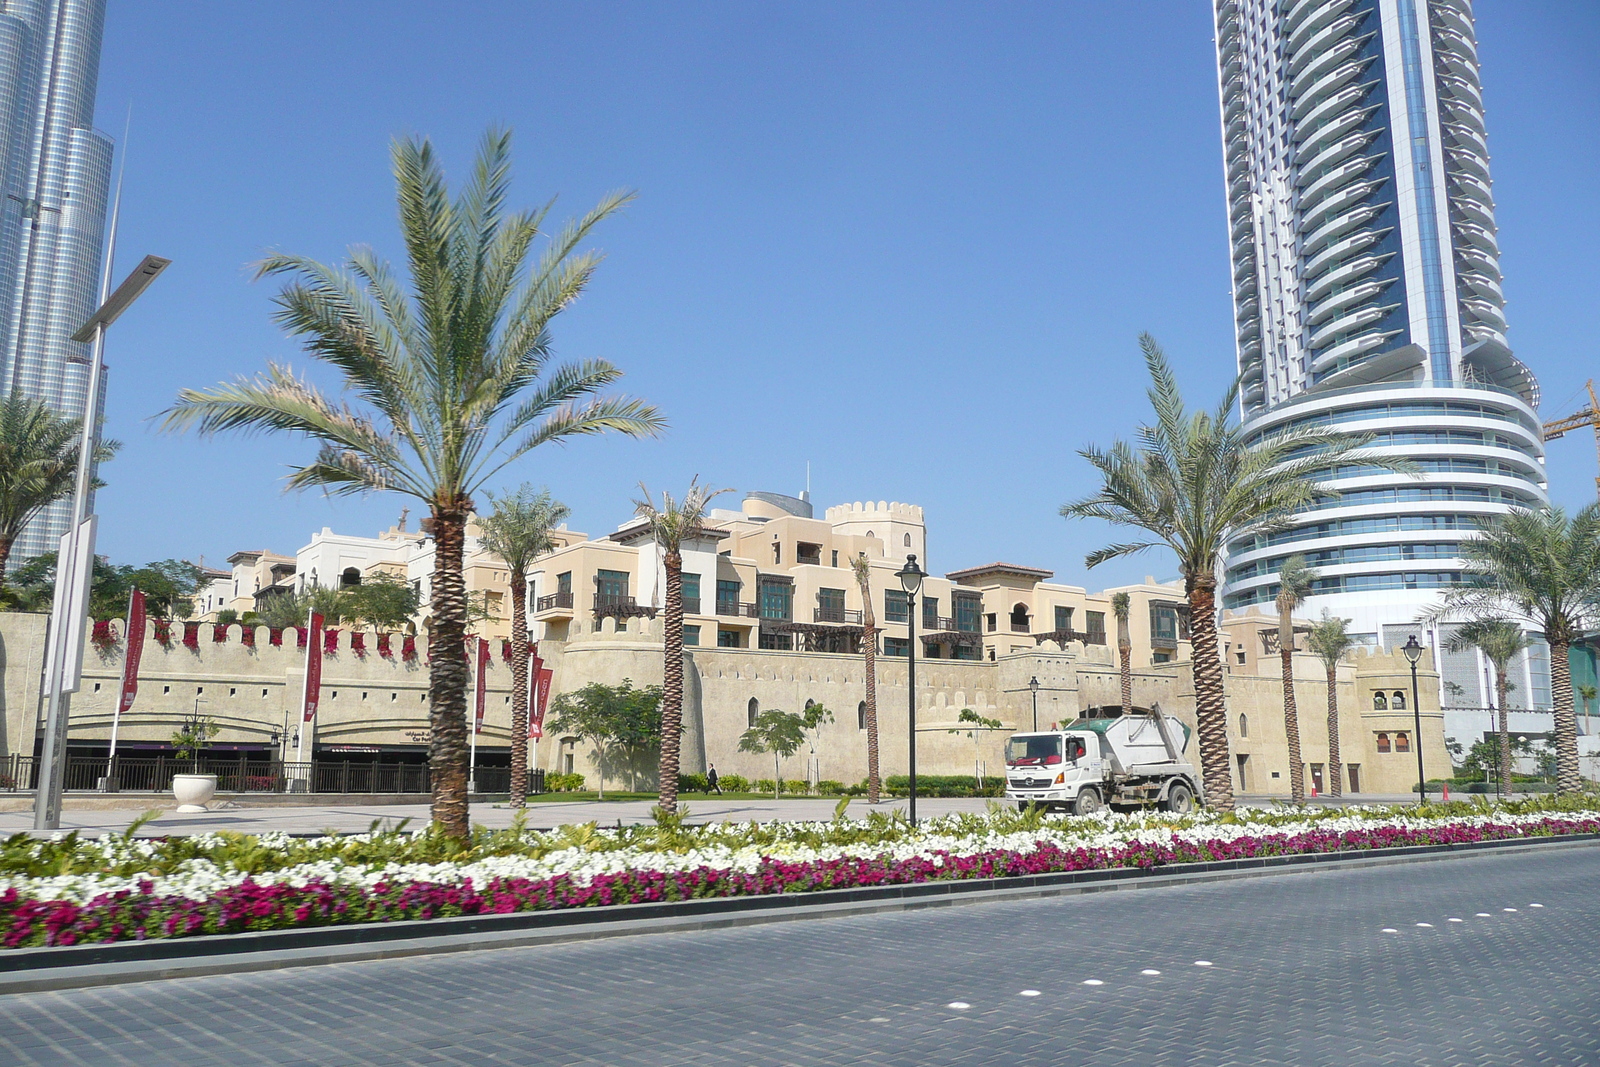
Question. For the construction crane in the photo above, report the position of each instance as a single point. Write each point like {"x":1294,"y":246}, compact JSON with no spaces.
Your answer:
{"x":1589,"y":416}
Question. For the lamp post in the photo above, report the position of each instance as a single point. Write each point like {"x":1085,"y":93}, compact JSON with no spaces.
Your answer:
{"x":75,"y":558}
{"x":1033,"y":686}
{"x":911,"y":577}
{"x":1413,"y":652}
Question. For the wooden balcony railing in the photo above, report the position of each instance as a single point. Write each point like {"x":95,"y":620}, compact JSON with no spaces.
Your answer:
{"x":736,"y":609}
{"x":849,"y":616}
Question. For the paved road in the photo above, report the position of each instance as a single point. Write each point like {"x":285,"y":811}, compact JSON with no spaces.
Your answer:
{"x":1301,"y":971}
{"x":355,"y":817}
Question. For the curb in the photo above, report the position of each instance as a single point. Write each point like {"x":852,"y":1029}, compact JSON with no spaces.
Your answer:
{"x":41,"y":969}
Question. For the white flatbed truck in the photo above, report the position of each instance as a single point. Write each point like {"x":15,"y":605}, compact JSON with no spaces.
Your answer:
{"x":1102,"y":759}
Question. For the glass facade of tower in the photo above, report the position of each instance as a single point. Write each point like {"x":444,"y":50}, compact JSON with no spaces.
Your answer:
{"x":1367,"y":292}
{"x":56,"y":170}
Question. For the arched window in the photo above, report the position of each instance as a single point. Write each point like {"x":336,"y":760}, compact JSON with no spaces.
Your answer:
{"x":1244,"y":726}
{"x":1383,"y":740}
{"x":1019,"y":619}
{"x":754,"y":710}
{"x":350,"y":577}
{"x":1380,"y":702}
{"x":1402,"y":742}
{"x":908,"y":540}
{"x":1399,"y":701}
{"x":861,"y":715}
{"x":869,"y":533}
{"x":810,"y":704}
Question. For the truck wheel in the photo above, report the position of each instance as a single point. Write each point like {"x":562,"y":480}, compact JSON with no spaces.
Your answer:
{"x":1088,"y":803}
{"x":1180,"y":801}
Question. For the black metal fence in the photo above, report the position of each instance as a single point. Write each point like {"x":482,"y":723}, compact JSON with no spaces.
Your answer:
{"x":243,"y":774}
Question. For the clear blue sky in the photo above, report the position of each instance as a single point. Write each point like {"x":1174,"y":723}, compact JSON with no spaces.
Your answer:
{"x":911,"y":243}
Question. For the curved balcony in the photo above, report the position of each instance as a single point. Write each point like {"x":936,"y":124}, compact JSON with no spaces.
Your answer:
{"x":1300,"y":10}
{"x":1479,"y":236}
{"x":1338,"y":103}
{"x":1352,"y":349}
{"x":1340,"y":250}
{"x":1244,"y":268}
{"x":1330,"y":72}
{"x":1465,"y":137}
{"x":1486,"y":312}
{"x":1348,"y":323}
{"x":1333,"y":228}
{"x":1340,"y":124}
{"x":1339,"y":200}
{"x":1303,"y":47}
{"x":1354,"y":296}
{"x":1483,"y":285}
{"x":1460,"y":160}
{"x":1451,"y":17}
{"x":1472,"y":259}
{"x":1345,"y":272}
{"x":1335,"y":180}
{"x":1336,"y":151}
{"x":1448,"y":38}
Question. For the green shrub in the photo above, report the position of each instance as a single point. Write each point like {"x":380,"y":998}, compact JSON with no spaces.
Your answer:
{"x":794,"y":785}
{"x":945,"y":785}
{"x":763,"y":785}
{"x":563,"y":783}
{"x":733,"y":783}
{"x":829,"y":788}
{"x":692,"y":783}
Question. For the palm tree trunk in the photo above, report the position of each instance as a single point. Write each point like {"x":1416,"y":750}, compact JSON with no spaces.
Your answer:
{"x":1335,"y":762}
{"x":1125,"y":654}
{"x":672,"y":685}
{"x":869,"y":651}
{"x":1211,"y":713}
{"x":447,"y":672}
{"x":1505,"y":732}
{"x":519,"y":689}
{"x":1291,"y":717}
{"x":5,"y":556}
{"x":1567,"y":778}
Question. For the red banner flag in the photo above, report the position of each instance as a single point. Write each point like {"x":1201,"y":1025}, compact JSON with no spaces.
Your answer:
{"x":135,"y":651}
{"x":313,"y":690}
{"x":545,"y":674}
{"x":535,"y":665}
{"x":482,"y":693}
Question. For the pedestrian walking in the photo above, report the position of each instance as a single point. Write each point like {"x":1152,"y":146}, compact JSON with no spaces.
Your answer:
{"x":711,"y":781}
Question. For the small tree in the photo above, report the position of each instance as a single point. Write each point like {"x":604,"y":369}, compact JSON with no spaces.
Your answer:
{"x":1121,"y":605}
{"x":1500,"y":640}
{"x":193,"y":736}
{"x":518,"y":531}
{"x":1330,"y":641}
{"x":862,"y":569}
{"x":609,"y":718}
{"x":1294,"y":585}
{"x":778,"y":732}
{"x":814,"y":716}
{"x":979,"y":725}
{"x":382,"y":601}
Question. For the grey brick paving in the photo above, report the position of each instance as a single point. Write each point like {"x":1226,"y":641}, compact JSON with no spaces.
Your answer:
{"x":1301,"y":975}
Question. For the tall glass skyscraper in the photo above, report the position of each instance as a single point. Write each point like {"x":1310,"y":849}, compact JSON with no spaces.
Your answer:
{"x":55,"y":168}
{"x":1367,"y":294}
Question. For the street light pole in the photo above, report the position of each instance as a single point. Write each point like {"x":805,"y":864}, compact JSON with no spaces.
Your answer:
{"x":1033,"y":685}
{"x":911,"y":581}
{"x":75,"y":558}
{"x":1413,"y":652}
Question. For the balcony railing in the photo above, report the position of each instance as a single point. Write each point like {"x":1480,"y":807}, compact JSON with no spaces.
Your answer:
{"x":553,"y":601}
{"x":946,"y":624}
{"x":620,"y":605}
{"x":691,"y":605}
{"x":848,"y":616}
{"x":1021,"y":627}
{"x":736,"y":609}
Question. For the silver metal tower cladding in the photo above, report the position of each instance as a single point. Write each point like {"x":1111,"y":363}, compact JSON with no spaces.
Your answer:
{"x":1367,"y":291}
{"x":56,"y":169}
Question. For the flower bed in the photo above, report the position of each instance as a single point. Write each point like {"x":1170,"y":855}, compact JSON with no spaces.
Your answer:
{"x":72,"y":891}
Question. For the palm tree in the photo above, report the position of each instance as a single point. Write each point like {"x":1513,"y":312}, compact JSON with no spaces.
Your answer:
{"x":862,"y":569}
{"x":1294,"y":585}
{"x":38,"y":464}
{"x":1121,"y":605}
{"x":518,"y":531}
{"x":1500,"y":640}
{"x":1544,"y":568}
{"x":1330,"y":641}
{"x":1194,"y":484}
{"x":673,"y":523}
{"x":453,"y":382}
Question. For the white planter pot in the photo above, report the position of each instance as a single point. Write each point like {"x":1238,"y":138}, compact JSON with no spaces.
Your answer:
{"x":193,"y":791}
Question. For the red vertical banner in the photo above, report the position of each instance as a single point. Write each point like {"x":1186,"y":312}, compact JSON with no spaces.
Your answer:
{"x":481,"y":696}
{"x":545,"y":674}
{"x":313,"y":690}
{"x":135,"y":651}
{"x":532,"y":682}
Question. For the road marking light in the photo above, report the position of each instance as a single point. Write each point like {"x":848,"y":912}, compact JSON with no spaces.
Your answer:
{"x":1389,"y":930}
{"x":1029,"y":993}
{"x":958,"y":1005}
{"x":1202,"y":963}
{"x":1149,"y":970}
{"x":1092,"y":981}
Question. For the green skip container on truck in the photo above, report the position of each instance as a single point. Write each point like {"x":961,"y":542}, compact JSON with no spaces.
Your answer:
{"x":1104,"y":758}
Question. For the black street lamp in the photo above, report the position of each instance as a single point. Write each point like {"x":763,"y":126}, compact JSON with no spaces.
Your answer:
{"x":911,"y":577}
{"x":1413,"y":652}
{"x":1033,"y":685}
